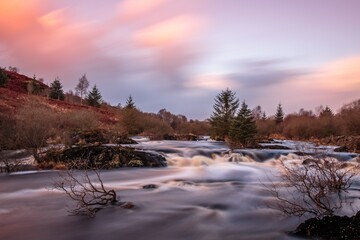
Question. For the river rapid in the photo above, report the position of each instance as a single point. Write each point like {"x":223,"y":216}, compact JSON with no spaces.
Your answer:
{"x":206,"y":192}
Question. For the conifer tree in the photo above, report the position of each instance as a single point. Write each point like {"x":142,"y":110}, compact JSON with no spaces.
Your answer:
{"x":243,"y":128}
{"x":279,"y":116}
{"x":56,"y":91}
{"x":130,"y":103}
{"x":94,"y":97}
{"x":326,"y":113}
{"x":3,"y":78}
{"x":223,"y":114}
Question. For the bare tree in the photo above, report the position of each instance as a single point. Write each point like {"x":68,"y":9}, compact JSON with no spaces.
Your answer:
{"x":10,"y":165}
{"x":318,"y":187}
{"x":35,"y":123}
{"x":82,"y":86}
{"x":89,"y":197}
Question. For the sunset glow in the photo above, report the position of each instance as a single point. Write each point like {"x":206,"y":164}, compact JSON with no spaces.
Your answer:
{"x":183,"y":49}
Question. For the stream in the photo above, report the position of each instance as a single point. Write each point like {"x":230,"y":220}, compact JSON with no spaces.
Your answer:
{"x":206,"y":192}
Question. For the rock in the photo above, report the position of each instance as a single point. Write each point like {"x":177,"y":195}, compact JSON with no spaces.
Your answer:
{"x":181,"y":137}
{"x":105,"y":157}
{"x":97,"y":136}
{"x":280,"y":147}
{"x":330,"y":227}
{"x":346,"y":143}
{"x":150,"y":186}
{"x":135,"y":163}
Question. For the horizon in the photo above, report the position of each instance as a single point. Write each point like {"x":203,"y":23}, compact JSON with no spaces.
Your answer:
{"x":173,"y":55}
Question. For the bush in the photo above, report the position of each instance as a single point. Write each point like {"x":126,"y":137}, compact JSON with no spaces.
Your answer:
{"x":317,"y":187}
{"x":35,"y":124}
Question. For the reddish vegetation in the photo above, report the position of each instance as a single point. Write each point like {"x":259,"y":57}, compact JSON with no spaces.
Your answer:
{"x":16,"y":94}
{"x":18,"y":82}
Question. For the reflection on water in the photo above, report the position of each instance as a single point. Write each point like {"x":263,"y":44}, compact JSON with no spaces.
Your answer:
{"x":207,"y":192}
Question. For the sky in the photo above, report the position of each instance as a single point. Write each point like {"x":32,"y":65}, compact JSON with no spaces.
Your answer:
{"x":179,"y":55}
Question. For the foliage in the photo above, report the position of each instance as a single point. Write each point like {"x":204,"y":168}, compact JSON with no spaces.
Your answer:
{"x":35,"y":124}
{"x":279,"y":116}
{"x":82,"y":86}
{"x":130,"y":103}
{"x":13,"y":69}
{"x":94,"y":97}
{"x":243,"y":127}
{"x":3,"y":78}
{"x":56,"y":91}
{"x":224,"y":112}
{"x":317,"y":187}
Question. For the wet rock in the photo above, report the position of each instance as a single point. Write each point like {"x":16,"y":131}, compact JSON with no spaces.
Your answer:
{"x":346,"y":143}
{"x":333,"y":227}
{"x":280,"y":147}
{"x":97,"y":136}
{"x":135,"y":163}
{"x":181,"y":137}
{"x":105,"y":157}
{"x":150,"y":186}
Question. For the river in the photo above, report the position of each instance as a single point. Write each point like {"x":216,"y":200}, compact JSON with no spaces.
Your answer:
{"x":206,"y":192}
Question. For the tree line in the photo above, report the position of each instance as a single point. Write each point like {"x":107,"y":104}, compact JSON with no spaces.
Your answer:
{"x":239,"y":124}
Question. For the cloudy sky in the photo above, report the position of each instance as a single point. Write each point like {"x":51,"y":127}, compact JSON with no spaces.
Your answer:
{"x":179,"y":54}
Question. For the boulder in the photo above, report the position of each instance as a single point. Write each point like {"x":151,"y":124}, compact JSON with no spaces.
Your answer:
{"x":105,"y":157}
{"x":330,"y":227}
{"x":97,"y":136}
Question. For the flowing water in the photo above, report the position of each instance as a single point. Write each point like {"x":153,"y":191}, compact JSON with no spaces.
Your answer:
{"x":206,"y":192}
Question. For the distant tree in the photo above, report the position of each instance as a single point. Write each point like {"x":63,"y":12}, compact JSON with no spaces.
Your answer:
{"x":223,"y":114}
{"x":279,"y":116}
{"x":326,"y":113}
{"x":243,"y":128}
{"x":257,"y":112}
{"x":94,"y":97}
{"x":56,"y":91}
{"x":263,"y":117}
{"x":13,"y":69}
{"x":130,"y":103}
{"x":82,"y":86}
{"x":3,"y":78}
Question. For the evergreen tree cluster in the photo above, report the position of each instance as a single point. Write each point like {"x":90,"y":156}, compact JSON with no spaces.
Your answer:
{"x":229,"y":122}
{"x":56,"y":91}
{"x":94,"y":97}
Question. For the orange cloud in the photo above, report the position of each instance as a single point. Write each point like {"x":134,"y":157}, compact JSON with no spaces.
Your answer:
{"x":340,"y":75}
{"x":53,"y":19}
{"x":174,"y":30}
{"x":210,"y":82}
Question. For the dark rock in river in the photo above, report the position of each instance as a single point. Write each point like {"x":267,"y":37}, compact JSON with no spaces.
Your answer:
{"x":98,"y":136}
{"x":105,"y":157}
{"x":334,"y":227}
{"x":181,"y":137}
{"x":346,"y":143}
{"x":150,"y":186}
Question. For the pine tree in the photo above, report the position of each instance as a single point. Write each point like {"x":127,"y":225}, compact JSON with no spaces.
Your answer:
{"x":130,"y":103}
{"x":243,"y":128}
{"x":94,"y":97}
{"x":279,"y":116}
{"x":326,"y":113}
{"x":224,"y":112}
{"x":56,"y":91}
{"x":3,"y":78}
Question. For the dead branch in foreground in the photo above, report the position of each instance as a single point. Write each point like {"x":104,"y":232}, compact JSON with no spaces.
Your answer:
{"x":318,"y":187}
{"x":88,"y":196}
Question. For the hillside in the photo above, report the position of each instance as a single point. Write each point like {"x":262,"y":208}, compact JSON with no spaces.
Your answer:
{"x":16,"y":93}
